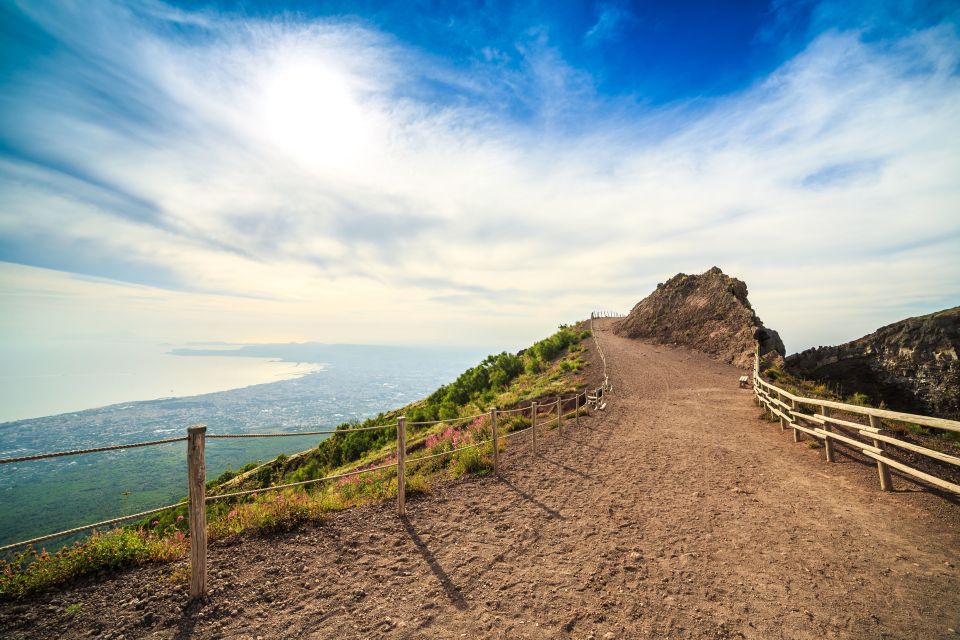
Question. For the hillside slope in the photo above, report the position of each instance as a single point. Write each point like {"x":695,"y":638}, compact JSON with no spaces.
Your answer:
{"x":909,"y":365}
{"x":648,"y":521}
{"x":709,"y":312}
{"x":455,"y":416}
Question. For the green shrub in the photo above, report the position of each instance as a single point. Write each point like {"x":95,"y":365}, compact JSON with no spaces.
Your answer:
{"x":859,"y":399}
{"x":419,"y":484}
{"x":30,"y":571}
{"x":470,"y":461}
{"x":515,"y":422}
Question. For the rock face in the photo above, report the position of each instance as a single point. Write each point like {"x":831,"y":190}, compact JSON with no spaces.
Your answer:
{"x":709,"y":312}
{"x":911,"y":365}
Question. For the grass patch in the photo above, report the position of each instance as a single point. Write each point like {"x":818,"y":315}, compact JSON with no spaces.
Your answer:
{"x":31,"y":571}
{"x":471,"y":462}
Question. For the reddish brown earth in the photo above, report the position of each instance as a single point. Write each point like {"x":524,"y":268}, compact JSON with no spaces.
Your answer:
{"x":676,"y":513}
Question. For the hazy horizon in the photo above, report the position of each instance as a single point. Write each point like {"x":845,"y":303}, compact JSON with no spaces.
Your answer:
{"x":78,"y":380}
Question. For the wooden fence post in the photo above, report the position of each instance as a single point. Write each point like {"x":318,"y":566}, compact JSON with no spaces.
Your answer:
{"x":576,"y":409}
{"x":827,"y":442}
{"x":886,"y":483}
{"x":560,"y":414}
{"x":783,"y":421}
{"x":402,"y":466}
{"x":533,"y":425}
{"x":496,"y":441}
{"x":796,"y":432}
{"x":196,"y":490}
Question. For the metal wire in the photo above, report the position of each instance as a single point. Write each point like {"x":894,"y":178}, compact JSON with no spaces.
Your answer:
{"x":76,"y":452}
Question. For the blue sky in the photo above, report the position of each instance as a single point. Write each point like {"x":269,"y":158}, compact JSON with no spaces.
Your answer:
{"x":470,"y":173}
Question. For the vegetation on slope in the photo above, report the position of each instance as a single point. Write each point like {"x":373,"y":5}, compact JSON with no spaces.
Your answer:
{"x":552,"y":366}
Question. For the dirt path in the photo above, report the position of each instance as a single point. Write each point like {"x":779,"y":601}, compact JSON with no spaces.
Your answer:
{"x":676,"y":513}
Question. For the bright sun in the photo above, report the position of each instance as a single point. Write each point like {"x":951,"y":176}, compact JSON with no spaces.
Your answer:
{"x":310,"y":111}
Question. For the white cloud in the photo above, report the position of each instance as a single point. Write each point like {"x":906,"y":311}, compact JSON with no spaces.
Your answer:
{"x":338,"y":185}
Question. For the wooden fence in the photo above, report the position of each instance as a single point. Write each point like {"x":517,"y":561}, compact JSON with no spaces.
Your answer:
{"x":817,"y":418}
{"x":196,"y":437}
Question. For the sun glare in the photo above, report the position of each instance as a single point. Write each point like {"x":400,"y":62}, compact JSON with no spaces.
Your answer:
{"x":310,"y":111}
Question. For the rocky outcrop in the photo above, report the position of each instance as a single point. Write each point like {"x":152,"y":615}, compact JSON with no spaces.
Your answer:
{"x":910,"y":365}
{"x":709,"y":312}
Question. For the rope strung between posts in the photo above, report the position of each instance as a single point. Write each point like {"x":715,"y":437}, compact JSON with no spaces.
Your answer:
{"x":76,"y":452}
{"x":298,"y":433}
{"x":457,"y":419}
{"x":446,"y":453}
{"x":95,"y":525}
{"x":513,"y":433}
{"x":195,"y":457}
{"x":517,"y":410}
{"x":151,"y":443}
{"x":251,"y":492}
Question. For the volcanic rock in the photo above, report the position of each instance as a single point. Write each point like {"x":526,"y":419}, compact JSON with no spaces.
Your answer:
{"x":709,"y":312}
{"x":910,"y":365}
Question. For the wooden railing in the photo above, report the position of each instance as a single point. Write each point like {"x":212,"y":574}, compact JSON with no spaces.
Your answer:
{"x":867,"y":439}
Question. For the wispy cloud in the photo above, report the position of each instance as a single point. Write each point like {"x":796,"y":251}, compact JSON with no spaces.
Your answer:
{"x":844,"y":174}
{"x":335,"y":171}
{"x":609,"y":22}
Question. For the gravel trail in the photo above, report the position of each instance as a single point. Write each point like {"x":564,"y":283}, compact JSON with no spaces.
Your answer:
{"x":675,"y":513}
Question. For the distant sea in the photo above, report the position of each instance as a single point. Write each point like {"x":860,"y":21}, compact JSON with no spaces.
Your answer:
{"x":253,"y":388}
{"x":47,"y":379}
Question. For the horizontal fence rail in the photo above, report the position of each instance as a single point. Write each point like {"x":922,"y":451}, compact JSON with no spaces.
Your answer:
{"x":867,"y":439}
{"x":77,"y":452}
{"x":540,"y":415}
{"x":294,"y":434}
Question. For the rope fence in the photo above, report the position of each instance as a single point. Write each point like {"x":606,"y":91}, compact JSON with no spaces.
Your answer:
{"x":303,"y":483}
{"x":77,"y":452}
{"x":196,"y":466}
{"x":598,"y":394}
{"x":294,"y":434}
{"x":457,"y":419}
{"x":95,"y":525}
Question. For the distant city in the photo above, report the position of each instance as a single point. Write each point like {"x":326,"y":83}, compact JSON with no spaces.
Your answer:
{"x":356,"y":382}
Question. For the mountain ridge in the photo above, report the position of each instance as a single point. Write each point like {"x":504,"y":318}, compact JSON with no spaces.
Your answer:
{"x":910,"y":365}
{"x":709,"y":312}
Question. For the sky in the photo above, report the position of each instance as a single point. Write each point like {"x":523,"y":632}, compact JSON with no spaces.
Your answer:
{"x":469,"y":173}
